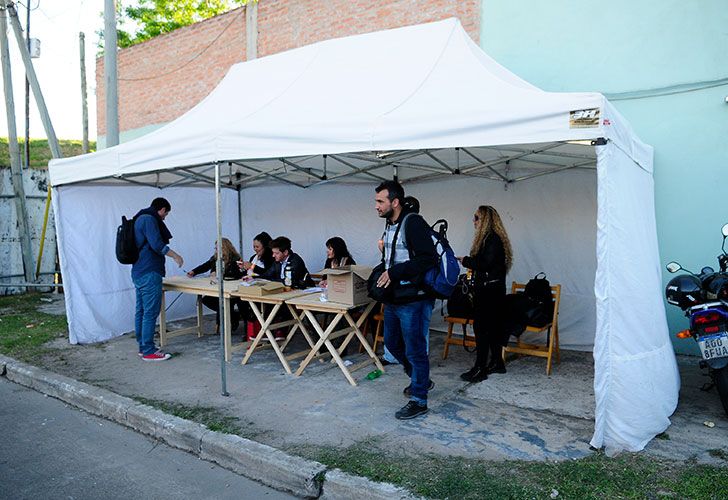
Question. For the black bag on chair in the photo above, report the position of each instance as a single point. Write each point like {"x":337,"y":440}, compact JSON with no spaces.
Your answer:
{"x":460,"y":303}
{"x":540,"y":306}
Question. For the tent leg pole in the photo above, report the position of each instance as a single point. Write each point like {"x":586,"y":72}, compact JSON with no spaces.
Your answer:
{"x":240,"y":220}
{"x":220,"y":285}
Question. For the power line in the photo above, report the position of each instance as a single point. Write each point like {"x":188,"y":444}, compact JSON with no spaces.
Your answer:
{"x":190,"y":60}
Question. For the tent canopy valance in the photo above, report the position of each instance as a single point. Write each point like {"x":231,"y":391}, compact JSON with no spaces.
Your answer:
{"x":354,"y":106}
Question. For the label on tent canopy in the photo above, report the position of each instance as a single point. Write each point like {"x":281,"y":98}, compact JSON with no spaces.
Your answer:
{"x":584,"y":118}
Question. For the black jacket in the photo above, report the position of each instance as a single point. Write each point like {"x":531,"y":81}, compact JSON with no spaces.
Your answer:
{"x":300,"y":277}
{"x":231,"y":271}
{"x":422,"y":257}
{"x":489,"y":264}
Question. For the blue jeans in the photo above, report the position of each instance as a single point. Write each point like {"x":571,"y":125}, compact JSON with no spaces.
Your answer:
{"x":148,"y":303}
{"x":406,"y":330}
{"x":390,"y":357}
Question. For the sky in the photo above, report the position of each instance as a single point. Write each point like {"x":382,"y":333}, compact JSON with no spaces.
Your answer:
{"x":57,"y":25}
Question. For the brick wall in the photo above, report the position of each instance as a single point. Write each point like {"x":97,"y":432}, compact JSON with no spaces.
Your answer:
{"x":286,"y":24}
{"x":282,"y":25}
{"x":181,"y":79}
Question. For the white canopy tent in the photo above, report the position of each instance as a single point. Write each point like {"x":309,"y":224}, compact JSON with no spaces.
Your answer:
{"x":426,"y":105}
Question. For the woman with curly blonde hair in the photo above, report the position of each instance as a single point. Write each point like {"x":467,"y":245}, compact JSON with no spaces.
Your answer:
{"x":490,"y":259}
{"x":230,"y":258}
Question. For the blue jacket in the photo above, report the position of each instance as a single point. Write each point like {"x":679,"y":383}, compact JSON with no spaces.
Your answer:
{"x":151,"y":244}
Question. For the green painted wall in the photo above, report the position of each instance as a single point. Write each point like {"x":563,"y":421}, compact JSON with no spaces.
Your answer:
{"x":626,"y":46}
{"x":129,"y":135}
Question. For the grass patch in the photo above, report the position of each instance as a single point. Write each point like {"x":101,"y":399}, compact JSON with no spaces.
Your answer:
{"x":212,"y":418}
{"x":24,"y":330}
{"x":40,"y":152}
{"x":596,"y":476}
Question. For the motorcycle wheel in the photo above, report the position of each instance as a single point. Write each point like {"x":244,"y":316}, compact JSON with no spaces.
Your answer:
{"x":721,"y":383}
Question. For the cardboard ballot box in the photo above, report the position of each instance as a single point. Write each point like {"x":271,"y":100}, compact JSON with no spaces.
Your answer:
{"x":258,"y":288}
{"x":347,"y":284}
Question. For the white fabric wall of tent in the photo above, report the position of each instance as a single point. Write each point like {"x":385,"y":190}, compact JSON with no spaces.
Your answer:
{"x":456,"y":128}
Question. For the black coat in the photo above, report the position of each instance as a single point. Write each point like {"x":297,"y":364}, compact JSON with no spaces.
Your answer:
{"x":231,"y":271}
{"x":300,"y":277}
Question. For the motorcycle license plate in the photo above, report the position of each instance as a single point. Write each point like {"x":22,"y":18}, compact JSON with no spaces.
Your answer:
{"x":715,"y":346}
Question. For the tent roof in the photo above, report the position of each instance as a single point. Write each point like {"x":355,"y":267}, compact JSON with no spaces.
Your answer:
{"x":358,"y":106}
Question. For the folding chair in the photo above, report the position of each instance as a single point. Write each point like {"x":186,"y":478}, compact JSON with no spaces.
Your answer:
{"x":551,"y":346}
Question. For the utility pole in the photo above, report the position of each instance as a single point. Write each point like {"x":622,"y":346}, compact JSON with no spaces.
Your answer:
{"x":84,"y":103}
{"x":110,"y":74}
{"x":21,"y":209}
{"x":26,"y":146}
{"x":42,"y":109}
{"x":34,"y":85}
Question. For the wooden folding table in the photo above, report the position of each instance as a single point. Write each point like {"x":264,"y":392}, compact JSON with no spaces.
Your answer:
{"x":200,"y":286}
{"x":277,"y":300}
{"x":311,"y":304}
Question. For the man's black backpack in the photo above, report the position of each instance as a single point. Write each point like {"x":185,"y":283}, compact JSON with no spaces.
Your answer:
{"x":540,"y":305}
{"x":126,"y":249}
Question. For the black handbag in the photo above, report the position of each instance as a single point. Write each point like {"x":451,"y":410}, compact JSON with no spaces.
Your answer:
{"x":378,"y":293}
{"x":394,"y":293}
{"x":460,"y":303}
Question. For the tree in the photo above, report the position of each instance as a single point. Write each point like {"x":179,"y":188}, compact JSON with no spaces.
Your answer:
{"x":151,"y":18}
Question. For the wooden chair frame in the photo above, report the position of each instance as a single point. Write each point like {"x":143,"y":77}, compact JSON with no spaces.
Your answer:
{"x":551,"y":346}
{"x":467,"y":339}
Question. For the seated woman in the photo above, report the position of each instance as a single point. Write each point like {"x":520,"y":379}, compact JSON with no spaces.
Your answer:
{"x":262,"y":260}
{"x":260,"y":264}
{"x":230,"y":258}
{"x":337,"y":255}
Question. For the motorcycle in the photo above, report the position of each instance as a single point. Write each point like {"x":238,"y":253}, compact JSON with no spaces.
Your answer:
{"x":704,"y":298}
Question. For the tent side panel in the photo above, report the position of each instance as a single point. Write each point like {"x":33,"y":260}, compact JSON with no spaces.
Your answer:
{"x":100,"y":297}
{"x":636,"y":381}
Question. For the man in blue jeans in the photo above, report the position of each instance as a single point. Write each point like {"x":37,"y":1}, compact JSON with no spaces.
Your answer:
{"x":408,"y":252}
{"x":152,"y":239}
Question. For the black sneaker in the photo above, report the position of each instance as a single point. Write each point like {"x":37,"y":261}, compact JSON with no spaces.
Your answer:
{"x":407,"y":389}
{"x":411,"y":410}
{"x":384,"y":361}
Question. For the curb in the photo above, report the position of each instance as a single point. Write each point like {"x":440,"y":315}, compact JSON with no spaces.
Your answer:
{"x":263,"y":463}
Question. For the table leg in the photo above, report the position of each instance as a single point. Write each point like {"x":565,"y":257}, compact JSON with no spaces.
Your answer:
{"x":325,"y":341}
{"x":199,"y":316}
{"x":357,"y":331}
{"x":163,"y":322}
{"x":227,"y":326}
{"x":265,"y":330}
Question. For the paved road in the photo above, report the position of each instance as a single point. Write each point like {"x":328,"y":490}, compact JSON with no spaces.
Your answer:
{"x":51,"y":450}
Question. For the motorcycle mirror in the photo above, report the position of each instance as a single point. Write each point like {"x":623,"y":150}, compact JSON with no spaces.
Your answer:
{"x":673,"y":267}
{"x":724,"y":230}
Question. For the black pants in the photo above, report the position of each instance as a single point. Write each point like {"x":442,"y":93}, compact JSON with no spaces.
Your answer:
{"x":488,"y":324}
{"x":214,"y":304}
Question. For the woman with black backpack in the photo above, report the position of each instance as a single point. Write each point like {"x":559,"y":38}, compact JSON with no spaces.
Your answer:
{"x":490,"y":259}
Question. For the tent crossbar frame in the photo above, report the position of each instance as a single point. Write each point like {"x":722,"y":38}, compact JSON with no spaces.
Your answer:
{"x":440,"y":162}
{"x":484,"y":164}
{"x":307,"y":170}
{"x":185,"y":172}
{"x":356,"y":170}
{"x":558,"y":154}
{"x":260,"y":174}
{"x":553,"y":171}
{"x":427,"y":168}
{"x":505,"y":159}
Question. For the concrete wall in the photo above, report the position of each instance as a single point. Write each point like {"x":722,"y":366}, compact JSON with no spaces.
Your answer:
{"x":146,"y":103}
{"x":11,"y":257}
{"x":625,"y":46}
